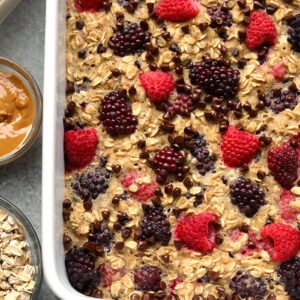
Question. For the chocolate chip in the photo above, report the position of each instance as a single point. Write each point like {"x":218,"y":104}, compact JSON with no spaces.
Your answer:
{"x":261,"y":175}
{"x":67,"y":203}
{"x":203,"y":26}
{"x":116,"y":72}
{"x":135,"y":297}
{"x":235,"y":52}
{"x":185,"y":29}
{"x":175,"y":48}
{"x":178,"y":245}
{"x":169,"y":189}
{"x":188,"y":183}
{"x":271,"y":9}
{"x":101,"y":49}
{"x":165,"y":67}
{"x":144,"y":25}
{"x":132,"y":90}
{"x":117,"y":226}
{"x":242,"y":3}
{"x":79,"y":24}
{"x":259,"y":5}
{"x":141,"y":144}
{"x":105,"y":214}
{"x":82,"y":54}
{"x":137,"y":64}
{"x":143,"y":245}
{"x":119,"y":246}
{"x":219,"y":239}
{"x":266,"y":141}
{"x":211,"y":297}
{"x":116,"y":200}
{"x":166,"y":35}
{"x":66,"y":239}
{"x":214,"y":276}
{"x":70,"y":87}
{"x":88,"y":204}
{"x":116,"y":168}
{"x":176,"y":192}
{"x":165,"y":258}
{"x":153,"y":66}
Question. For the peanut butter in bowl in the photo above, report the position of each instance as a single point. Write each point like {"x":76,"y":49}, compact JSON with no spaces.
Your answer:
{"x":17,"y":112}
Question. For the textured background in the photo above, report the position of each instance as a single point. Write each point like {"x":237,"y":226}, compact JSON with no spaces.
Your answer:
{"x":22,"y":39}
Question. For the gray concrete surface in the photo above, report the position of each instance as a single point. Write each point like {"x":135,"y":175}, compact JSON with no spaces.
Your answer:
{"x":22,"y":39}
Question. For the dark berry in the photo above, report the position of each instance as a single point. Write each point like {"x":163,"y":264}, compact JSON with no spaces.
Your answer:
{"x":246,"y":286}
{"x":183,"y":106}
{"x":289,"y":274}
{"x":154,"y":224}
{"x":246,"y":196}
{"x":215,"y":77}
{"x":101,"y":235}
{"x":279,"y":100}
{"x":199,"y":149}
{"x":129,"y":40}
{"x":91,"y":184}
{"x":147,"y":278}
{"x":220,"y":17}
{"x":169,"y":162}
{"x":294,"y":32}
{"x":116,"y":115}
{"x":81,"y":269}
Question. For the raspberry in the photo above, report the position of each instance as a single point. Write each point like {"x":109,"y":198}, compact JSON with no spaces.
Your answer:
{"x":278,"y":71}
{"x":183,"y":106}
{"x":289,"y":274}
{"x":293,"y":32}
{"x":145,"y":190}
{"x":177,"y":10}
{"x":154,"y":225}
{"x":147,"y":278}
{"x":198,"y":148}
{"x":248,"y":197}
{"x":91,"y":184}
{"x":260,"y":31}
{"x":80,"y":147}
{"x":130,"y":40}
{"x":116,"y":115}
{"x":220,"y":16}
{"x":283,"y":164}
{"x":81,"y":269}
{"x":247,"y":286}
{"x":286,"y":212}
{"x":279,"y":100}
{"x":197,"y":232}
{"x":281,"y":241}
{"x":169,"y":162}
{"x":88,"y":5}
{"x":158,"y":85}
{"x":238,"y":147}
{"x":101,"y":235}
{"x":215,"y":77}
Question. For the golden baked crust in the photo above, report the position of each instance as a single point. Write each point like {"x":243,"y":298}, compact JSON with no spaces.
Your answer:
{"x":95,"y":72}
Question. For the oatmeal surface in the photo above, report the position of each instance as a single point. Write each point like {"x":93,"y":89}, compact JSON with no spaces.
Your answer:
{"x":93,"y":71}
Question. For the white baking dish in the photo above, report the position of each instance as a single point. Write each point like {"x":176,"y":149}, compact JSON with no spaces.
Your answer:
{"x":53,"y":168}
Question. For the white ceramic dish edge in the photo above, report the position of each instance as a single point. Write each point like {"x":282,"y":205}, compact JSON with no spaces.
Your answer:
{"x":53,"y":168}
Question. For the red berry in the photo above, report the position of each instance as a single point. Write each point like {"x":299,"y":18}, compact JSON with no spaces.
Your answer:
{"x":80,"y":147}
{"x":286,"y":212}
{"x":278,"y":72}
{"x":145,"y":191}
{"x":283,"y":164}
{"x":238,"y":147}
{"x":281,"y":241}
{"x":158,"y":85}
{"x":197,"y":232}
{"x":177,"y":10}
{"x":261,"y":30}
{"x":88,"y":5}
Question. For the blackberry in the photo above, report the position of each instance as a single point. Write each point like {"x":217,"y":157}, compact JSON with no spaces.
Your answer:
{"x":215,"y":77}
{"x":182,"y":106}
{"x":81,"y":269}
{"x":294,"y":32}
{"x":92,"y":184}
{"x":154,"y":225}
{"x":220,"y":16}
{"x":116,"y":115}
{"x":289,"y":274}
{"x":198,"y":148}
{"x":130,"y":40}
{"x":169,"y":161}
{"x":279,"y":100}
{"x":246,"y":196}
{"x":147,"y":278}
{"x":101,"y":235}
{"x":246,"y":286}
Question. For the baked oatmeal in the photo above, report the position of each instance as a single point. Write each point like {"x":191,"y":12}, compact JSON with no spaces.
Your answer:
{"x":182,"y":149}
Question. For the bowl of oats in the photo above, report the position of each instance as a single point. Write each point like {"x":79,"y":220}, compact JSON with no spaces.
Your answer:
{"x":21,"y":256}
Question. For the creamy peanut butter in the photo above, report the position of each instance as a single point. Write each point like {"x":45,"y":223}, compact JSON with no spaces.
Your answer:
{"x":16,"y":112}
